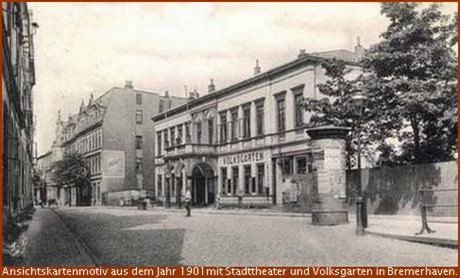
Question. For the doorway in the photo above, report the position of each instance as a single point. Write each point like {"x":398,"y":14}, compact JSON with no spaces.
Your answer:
{"x":203,"y":185}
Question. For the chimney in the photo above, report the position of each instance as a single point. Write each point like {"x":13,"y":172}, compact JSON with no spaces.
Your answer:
{"x":301,"y":53}
{"x":166,"y":94}
{"x":359,"y":50}
{"x":211,"y":87}
{"x":129,"y":84}
{"x":257,"y":68}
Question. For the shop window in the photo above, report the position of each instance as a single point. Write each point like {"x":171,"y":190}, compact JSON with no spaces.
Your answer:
{"x":301,"y":165}
{"x":260,"y":178}
{"x":224,"y":180}
{"x":247,"y":179}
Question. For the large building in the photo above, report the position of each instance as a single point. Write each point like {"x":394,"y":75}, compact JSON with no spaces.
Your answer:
{"x":18,"y":79}
{"x":115,"y":136}
{"x":246,"y":143}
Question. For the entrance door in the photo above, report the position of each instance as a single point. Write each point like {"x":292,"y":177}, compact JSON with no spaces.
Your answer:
{"x":202,"y":185}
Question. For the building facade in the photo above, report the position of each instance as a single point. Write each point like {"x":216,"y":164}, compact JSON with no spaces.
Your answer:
{"x":246,"y":143}
{"x":18,"y":79}
{"x":115,"y":138}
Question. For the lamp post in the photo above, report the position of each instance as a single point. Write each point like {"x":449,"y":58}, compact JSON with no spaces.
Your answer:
{"x":358,"y":106}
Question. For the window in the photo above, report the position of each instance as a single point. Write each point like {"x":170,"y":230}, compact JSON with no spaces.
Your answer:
{"x":246,"y":121}
{"x":166,"y":138}
{"x":301,"y":163}
{"x":281,"y":113}
{"x":234,"y":179}
{"x":139,"y":99}
{"x":188,"y":138}
{"x":260,"y":178}
{"x":298,"y":102}
{"x":234,"y":124}
{"x":138,"y":165}
{"x":159,"y":150}
{"x":309,"y":163}
{"x":159,"y":185}
{"x":286,"y":165}
{"x":224,"y":180}
{"x":179,"y":134}
{"x":172,"y":134}
{"x":139,"y":117}
{"x":260,"y":117}
{"x":223,"y":127}
{"x":198,"y":133}
{"x":210,"y":131}
{"x":138,"y":142}
{"x":247,"y":179}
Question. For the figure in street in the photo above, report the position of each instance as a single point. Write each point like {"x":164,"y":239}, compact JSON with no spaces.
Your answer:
{"x":188,"y":201}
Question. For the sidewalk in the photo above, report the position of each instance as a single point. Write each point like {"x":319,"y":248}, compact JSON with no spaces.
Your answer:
{"x":406,"y":227}
{"x":402,"y":227}
{"x":49,"y":243}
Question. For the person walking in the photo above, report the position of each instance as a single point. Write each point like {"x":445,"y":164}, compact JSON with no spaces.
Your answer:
{"x":188,"y":201}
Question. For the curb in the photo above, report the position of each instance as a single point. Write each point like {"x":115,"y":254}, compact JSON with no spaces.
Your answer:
{"x":443,"y":242}
{"x":81,"y":246}
{"x":249,"y":213}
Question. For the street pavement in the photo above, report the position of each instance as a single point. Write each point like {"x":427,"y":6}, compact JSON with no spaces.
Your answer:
{"x":119,"y":236}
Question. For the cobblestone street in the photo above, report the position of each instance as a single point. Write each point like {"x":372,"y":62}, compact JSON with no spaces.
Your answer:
{"x":114,"y":236}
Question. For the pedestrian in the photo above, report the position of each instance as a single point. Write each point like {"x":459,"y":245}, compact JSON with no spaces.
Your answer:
{"x":218,"y":201}
{"x":188,"y":201}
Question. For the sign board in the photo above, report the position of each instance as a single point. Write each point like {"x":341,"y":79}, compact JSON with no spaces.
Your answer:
{"x":318,"y":155}
{"x":241,"y":158}
{"x":113,"y":164}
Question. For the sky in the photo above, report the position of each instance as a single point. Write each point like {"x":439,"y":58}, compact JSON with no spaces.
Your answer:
{"x":88,"y":48}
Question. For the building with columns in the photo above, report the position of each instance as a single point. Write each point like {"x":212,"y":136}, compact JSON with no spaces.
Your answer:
{"x":114,"y":134}
{"x":243,"y":144}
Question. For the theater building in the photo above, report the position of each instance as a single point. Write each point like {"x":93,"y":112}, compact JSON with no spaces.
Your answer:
{"x":243,"y":144}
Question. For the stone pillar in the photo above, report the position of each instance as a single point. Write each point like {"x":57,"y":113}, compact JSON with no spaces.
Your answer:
{"x":328,"y":152}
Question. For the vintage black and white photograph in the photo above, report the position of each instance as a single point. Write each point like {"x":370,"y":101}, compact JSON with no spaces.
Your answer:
{"x":229,"y":134}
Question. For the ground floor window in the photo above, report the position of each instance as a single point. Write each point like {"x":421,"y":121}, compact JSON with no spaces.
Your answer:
{"x":224,"y":180}
{"x":260,"y":178}
{"x":247,"y":178}
{"x":301,"y":165}
{"x":235,"y":177}
{"x":159,"y":185}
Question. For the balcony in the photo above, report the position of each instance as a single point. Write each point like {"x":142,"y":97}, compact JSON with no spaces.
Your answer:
{"x":190,"y":149}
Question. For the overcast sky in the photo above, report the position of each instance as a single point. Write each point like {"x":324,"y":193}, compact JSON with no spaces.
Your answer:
{"x":84,"y":48}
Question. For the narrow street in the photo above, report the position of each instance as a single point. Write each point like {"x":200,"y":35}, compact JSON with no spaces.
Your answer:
{"x":115,"y":236}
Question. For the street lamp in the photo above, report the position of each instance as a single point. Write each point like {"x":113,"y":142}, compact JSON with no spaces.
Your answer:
{"x":358,"y":107}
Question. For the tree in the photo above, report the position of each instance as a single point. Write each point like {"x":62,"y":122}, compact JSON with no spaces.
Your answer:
{"x":416,"y":66}
{"x":335,"y":108}
{"x":73,"y":170}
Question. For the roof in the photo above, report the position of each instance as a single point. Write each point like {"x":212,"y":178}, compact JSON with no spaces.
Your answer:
{"x":307,"y":59}
{"x":341,"y":54}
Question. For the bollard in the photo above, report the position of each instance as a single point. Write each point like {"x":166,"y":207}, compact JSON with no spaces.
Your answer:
{"x":359,"y":216}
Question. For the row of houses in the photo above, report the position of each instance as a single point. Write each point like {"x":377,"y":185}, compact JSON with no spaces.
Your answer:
{"x":241,"y":144}
{"x":18,"y":79}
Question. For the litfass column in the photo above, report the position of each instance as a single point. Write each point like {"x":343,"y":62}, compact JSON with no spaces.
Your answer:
{"x":328,"y":153}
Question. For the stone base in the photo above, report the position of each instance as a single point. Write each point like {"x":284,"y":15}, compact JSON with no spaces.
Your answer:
{"x":329,"y":217}
{"x":328,"y":210}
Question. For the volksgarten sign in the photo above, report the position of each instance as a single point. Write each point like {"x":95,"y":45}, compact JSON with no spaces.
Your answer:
{"x":243,"y":158}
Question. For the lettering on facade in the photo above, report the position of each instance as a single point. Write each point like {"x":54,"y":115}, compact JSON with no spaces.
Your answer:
{"x":243,"y":158}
